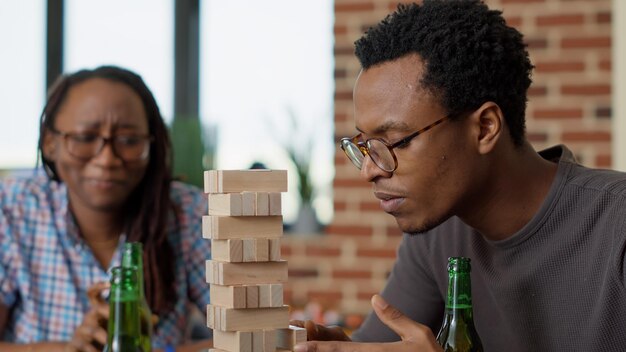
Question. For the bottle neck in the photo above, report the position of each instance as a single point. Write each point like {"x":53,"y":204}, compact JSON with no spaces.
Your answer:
{"x":459,"y":291}
{"x":123,"y":306}
{"x":133,"y":257}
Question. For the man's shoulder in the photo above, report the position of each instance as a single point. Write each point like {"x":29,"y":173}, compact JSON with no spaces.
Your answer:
{"x":601,"y":180}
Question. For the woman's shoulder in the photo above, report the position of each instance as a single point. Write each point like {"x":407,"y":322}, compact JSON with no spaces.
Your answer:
{"x":17,"y":189}
{"x":186,"y":194}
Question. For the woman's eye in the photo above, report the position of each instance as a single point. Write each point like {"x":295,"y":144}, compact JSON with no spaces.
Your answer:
{"x":128,"y":140}
{"x":85,"y":138}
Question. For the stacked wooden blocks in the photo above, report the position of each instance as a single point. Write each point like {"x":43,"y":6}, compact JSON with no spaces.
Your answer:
{"x":246,"y":273}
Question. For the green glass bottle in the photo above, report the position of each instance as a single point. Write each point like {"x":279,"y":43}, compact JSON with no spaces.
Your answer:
{"x":457,"y":333}
{"x":132,"y":257}
{"x":123,"y":328}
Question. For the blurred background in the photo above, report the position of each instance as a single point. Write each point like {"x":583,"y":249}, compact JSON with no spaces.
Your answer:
{"x":270,"y":82}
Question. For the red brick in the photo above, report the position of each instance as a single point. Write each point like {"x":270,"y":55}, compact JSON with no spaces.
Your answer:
{"x":369,"y":206}
{"x":340,"y":205}
{"x":394,"y":231}
{"x":558,"y":114}
{"x":586,"y":42}
{"x":559,"y":66}
{"x":318,"y":251}
{"x":536,"y":43}
{"x":514,"y":21}
{"x":343,"y":95}
{"x":603,"y":17}
{"x":537,"y":91}
{"x":340,"y":30}
{"x":537,"y":137}
{"x":376,"y":253}
{"x":285,"y":250}
{"x":340,"y":73}
{"x":586,"y":89}
{"x":558,"y":20}
{"x":603,"y":111}
{"x":603,"y":161}
{"x":587,"y":136}
{"x":365,"y":296}
{"x":605,"y":65}
{"x":360,"y":6}
{"x":350,"y":183}
{"x":521,"y":1}
{"x":352,"y":274}
{"x":344,"y":51}
{"x":349,"y":230}
{"x":302,"y":273}
{"x":324,"y":296}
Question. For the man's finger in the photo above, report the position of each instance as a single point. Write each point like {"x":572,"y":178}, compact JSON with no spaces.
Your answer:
{"x":394,"y":319}
{"x":338,"y":346}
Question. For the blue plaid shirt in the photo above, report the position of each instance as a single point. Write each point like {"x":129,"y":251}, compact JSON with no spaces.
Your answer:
{"x":46,"y":267}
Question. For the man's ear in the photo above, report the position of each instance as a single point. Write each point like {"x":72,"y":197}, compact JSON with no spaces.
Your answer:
{"x":489,"y":122}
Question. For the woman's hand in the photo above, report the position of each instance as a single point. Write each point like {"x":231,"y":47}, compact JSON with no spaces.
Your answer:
{"x":91,"y":335}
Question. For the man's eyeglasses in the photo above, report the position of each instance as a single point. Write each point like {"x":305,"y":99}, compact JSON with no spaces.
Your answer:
{"x":128,"y":147}
{"x":378,"y":150}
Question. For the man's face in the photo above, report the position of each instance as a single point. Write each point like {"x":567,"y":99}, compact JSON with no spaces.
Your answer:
{"x":434,"y":173}
{"x":104,"y":108}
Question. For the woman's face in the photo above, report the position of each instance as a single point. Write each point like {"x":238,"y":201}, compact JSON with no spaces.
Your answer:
{"x":96,"y":108}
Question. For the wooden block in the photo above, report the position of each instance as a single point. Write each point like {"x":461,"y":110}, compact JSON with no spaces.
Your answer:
{"x":229,"y":296}
{"x":233,"y":340}
{"x":265,"y":296}
{"x":252,"y":296}
{"x":230,"y":319}
{"x":224,"y":273}
{"x":235,"y":181}
{"x":249,"y":250}
{"x":276,"y":292}
{"x":262,"y":204}
{"x":275,"y":200}
{"x":210,"y":181}
{"x":289,"y":337}
{"x":226,"y":227}
{"x":227,"y":250}
{"x":248,"y":203}
{"x":228,"y":204}
{"x":262,"y":246}
{"x":274,"y":250}
{"x":264,"y":341}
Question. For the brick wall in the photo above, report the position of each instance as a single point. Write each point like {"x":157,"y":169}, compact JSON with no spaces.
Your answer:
{"x":570,"y":44}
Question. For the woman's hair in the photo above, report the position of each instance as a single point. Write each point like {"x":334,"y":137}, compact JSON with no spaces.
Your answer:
{"x":471,"y":56}
{"x":148,"y":206}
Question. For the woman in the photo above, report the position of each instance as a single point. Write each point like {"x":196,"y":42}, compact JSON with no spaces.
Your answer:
{"x":107,"y":156}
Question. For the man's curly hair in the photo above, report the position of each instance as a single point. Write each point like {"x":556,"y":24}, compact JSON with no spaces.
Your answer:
{"x":471,"y":56}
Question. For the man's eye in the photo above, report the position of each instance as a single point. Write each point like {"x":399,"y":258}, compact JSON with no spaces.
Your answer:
{"x":84,"y":138}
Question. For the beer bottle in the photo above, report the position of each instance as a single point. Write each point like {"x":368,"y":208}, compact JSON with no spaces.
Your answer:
{"x":123,"y":329}
{"x":457,"y":333}
{"x":132,"y":257}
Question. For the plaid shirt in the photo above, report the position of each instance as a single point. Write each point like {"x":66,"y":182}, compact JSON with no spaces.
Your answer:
{"x":46,"y":267}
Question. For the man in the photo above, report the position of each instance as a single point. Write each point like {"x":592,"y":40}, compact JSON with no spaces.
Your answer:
{"x":439,"y":106}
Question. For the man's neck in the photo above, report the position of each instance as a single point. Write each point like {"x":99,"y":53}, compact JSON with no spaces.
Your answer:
{"x":516,"y":189}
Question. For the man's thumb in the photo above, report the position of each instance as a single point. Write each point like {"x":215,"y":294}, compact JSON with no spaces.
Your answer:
{"x":392,"y":317}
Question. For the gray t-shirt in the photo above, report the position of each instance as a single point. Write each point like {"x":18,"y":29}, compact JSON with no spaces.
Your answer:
{"x":556,"y":285}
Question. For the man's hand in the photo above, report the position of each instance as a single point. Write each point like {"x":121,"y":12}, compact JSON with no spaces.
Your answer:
{"x":91,"y":335}
{"x":415,"y":336}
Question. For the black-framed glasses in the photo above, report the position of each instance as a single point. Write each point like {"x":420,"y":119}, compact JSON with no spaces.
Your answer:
{"x":128,"y":147}
{"x":378,"y":150}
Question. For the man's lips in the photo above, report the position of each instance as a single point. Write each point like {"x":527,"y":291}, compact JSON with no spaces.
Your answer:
{"x":389,"y":202}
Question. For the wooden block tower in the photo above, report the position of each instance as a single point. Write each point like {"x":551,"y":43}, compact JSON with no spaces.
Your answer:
{"x":246,"y":273}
